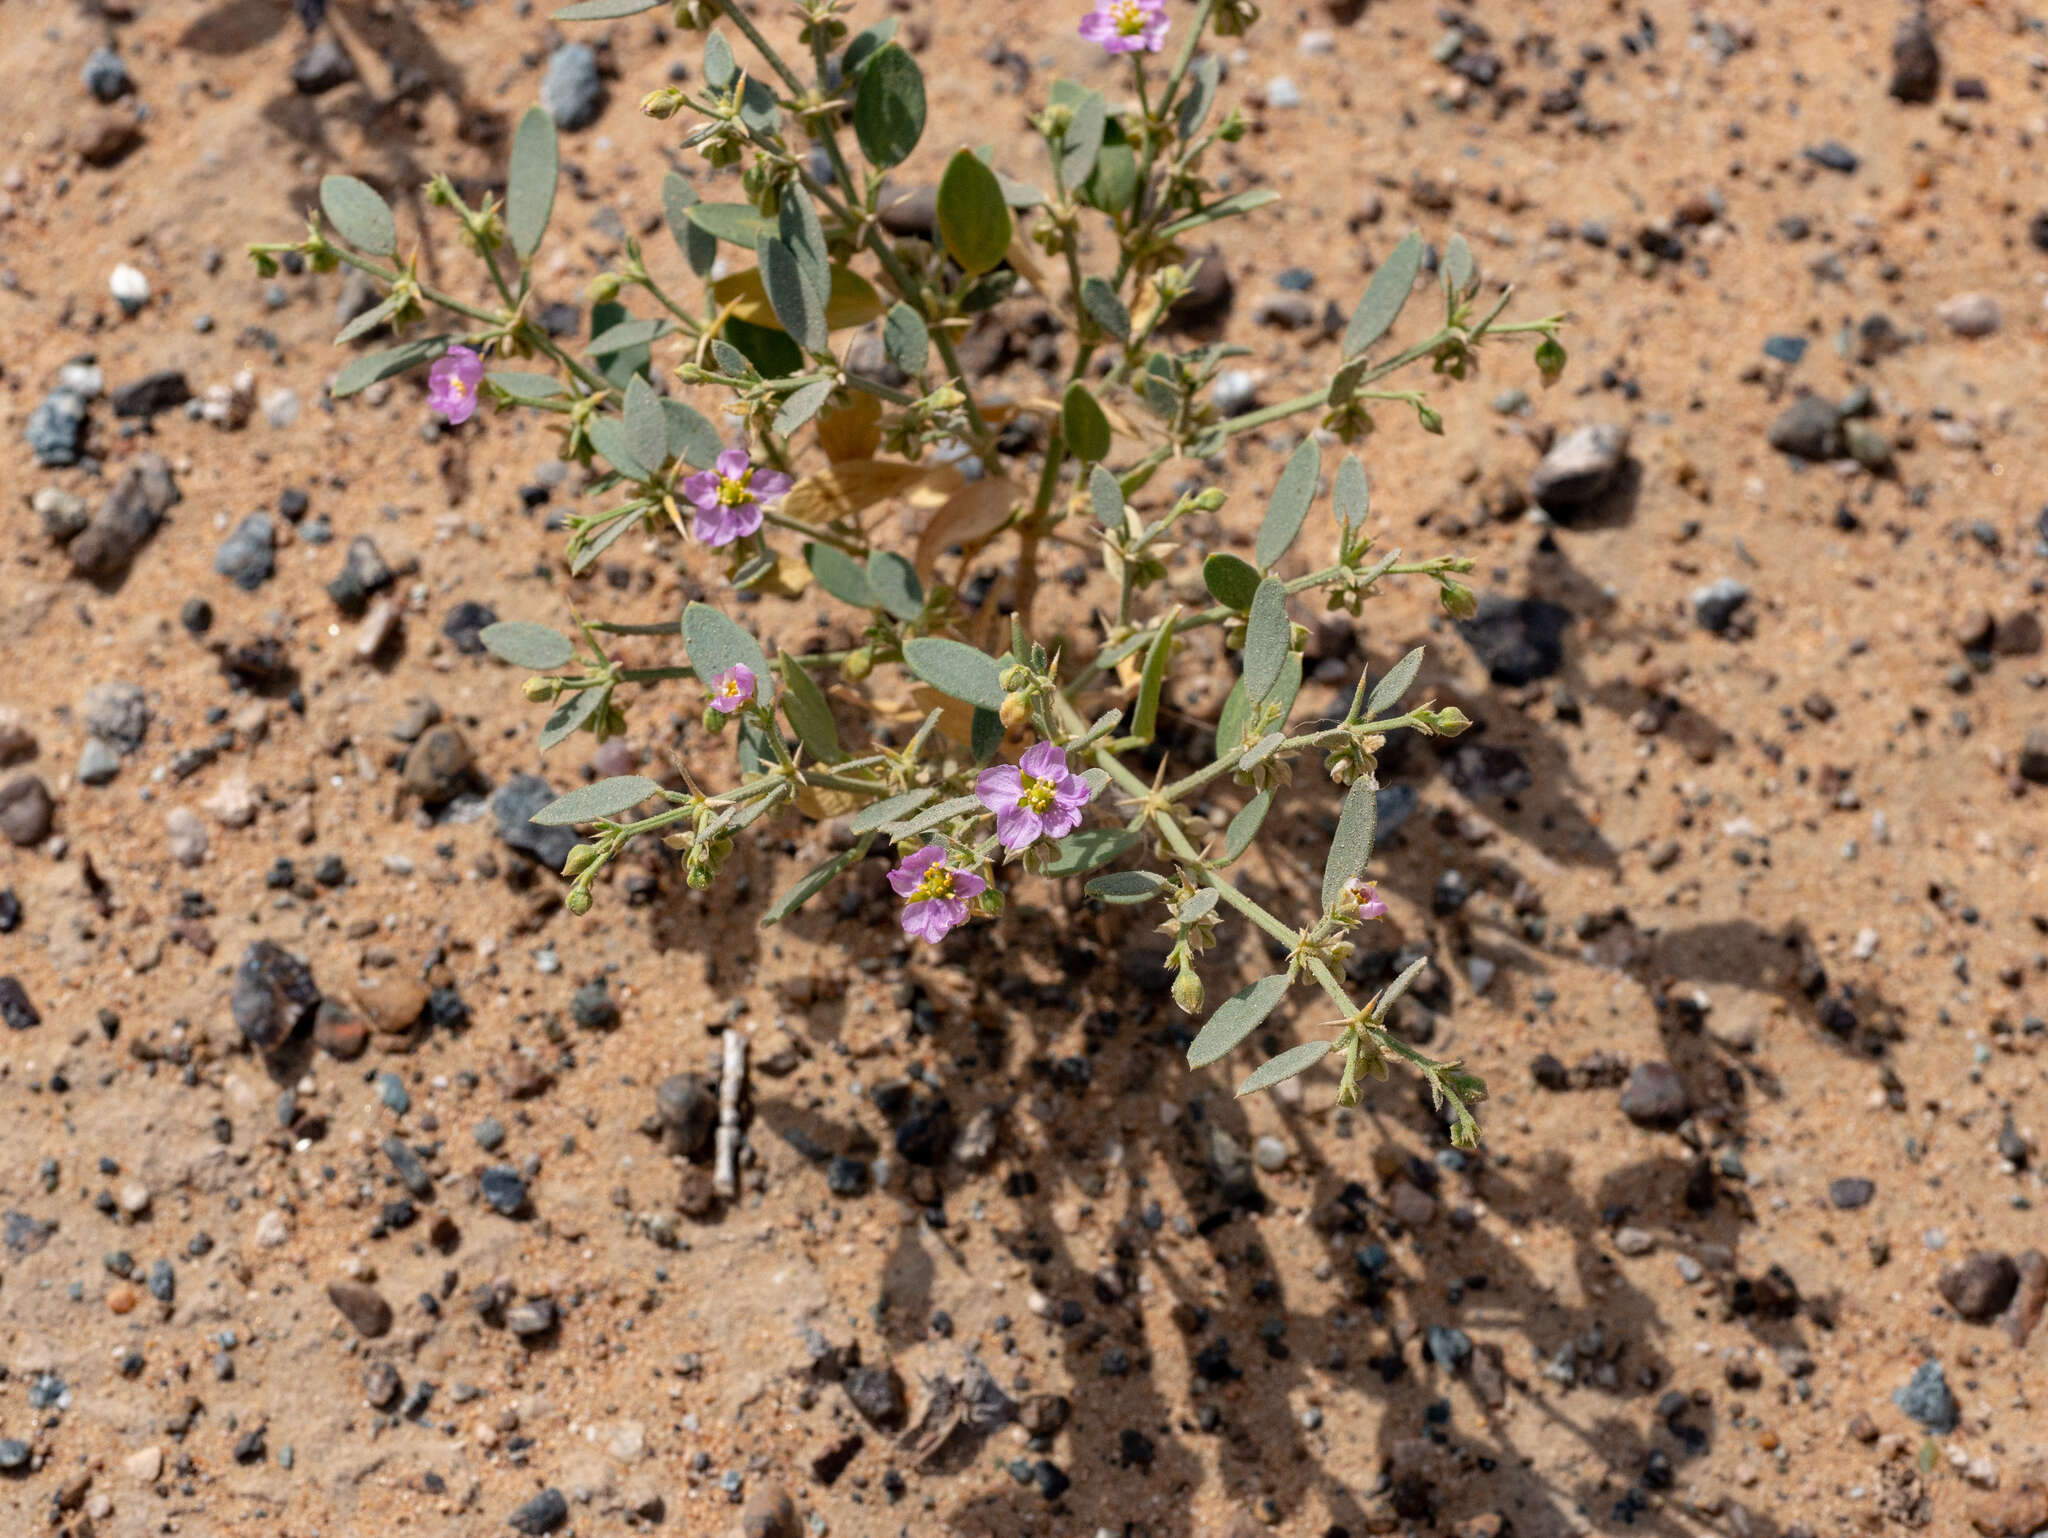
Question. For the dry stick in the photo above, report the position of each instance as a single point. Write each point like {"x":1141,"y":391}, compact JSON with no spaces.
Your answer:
{"x":726,"y":1177}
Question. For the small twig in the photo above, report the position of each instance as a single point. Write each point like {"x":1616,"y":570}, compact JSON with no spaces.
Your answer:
{"x":732,"y":1083}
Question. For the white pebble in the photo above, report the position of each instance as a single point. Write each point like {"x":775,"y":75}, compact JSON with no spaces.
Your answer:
{"x":129,"y":287}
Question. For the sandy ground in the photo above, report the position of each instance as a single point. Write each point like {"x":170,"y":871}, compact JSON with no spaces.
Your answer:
{"x":1796,"y":862}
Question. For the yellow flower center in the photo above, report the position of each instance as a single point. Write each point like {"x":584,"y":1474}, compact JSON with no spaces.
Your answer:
{"x":1129,"y":18}
{"x":937,"y":883}
{"x":729,"y":690}
{"x":455,"y":380}
{"x":1036,"y":795}
{"x":734,"y":493}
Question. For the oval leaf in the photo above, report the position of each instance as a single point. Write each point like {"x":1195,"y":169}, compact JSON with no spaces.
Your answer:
{"x":1085,"y":424}
{"x":646,"y":425}
{"x":1288,"y":510}
{"x":1106,"y":497}
{"x":569,"y":716}
{"x":1079,"y":853}
{"x":803,"y":702}
{"x":530,"y":185}
{"x":840,"y":575}
{"x":1384,"y":296}
{"x":608,"y":435}
{"x":1352,"y":500}
{"x":533,"y":387}
{"x":628,"y":333}
{"x":607,"y":798}
{"x":801,"y":405}
{"x":796,"y":307}
{"x":888,"y":109}
{"x":691,"y":437}
{"x":1230,"y":580}
{"x":905,"y":339}
{"x":604,"y":10}
{"x":527,"y":645}
{"x":1388,"y":690}
{"x":1236,"y":1018}
{"x":1351,"y":846}
{"x":955,"y":669}
{"x":1244,"y":827}
{"x":1083,"y":143}
{"x":714,"y":643}
{"x":698,"y":245}
{"x":1268,"y":637}
{"x":895,"y":583}
{"x":1126,"y":886}
{"x":974,"y":220}
{"x":738,"y":224}
{"x":1295,"y":1060}
{"x":869,"y":818}
{"x":361,"y":373}
{"x":358,"y":215}
{"x":1103,"y":305}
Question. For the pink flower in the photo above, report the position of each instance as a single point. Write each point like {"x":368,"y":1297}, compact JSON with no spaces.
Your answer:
{"x":1034,"y":798}
{"x":936,"y":893}
{"x":1126,"y":26}
{"x":452,"y":382}
{"x":728,"y":498}
{"x":1367,"y":893}
{"x":733,"y":689}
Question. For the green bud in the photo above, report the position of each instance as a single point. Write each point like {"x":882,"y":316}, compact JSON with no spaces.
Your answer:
{"x":581,"y":859}
{"x":858,"y":664}
{"x":714,"y":720}
{"x":662,"y":105}
{"x":603,"y":289}
{"x":578,"y":900}
{"x":541,"y":688}
{"x":1233,"y":126}
{"x":1432,"y":420}
{"x":1014,"y":678}
{"x":1457,"y":600}
{"x":266,"y":264}
{"x":1450,"y":721}
{"x":1212,"y":500}
{"x":1187,"y":990}
{"x":1550,"y":359}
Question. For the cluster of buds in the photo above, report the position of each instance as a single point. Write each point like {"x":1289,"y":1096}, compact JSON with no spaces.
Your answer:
{"x":705,"y":845}
{"x":1192,"y":928}
{"x":1354,"y":758}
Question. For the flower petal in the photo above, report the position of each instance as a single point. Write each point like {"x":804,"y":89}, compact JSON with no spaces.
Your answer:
{"x":702,"y":489}
{"x":770,"y":484}
{"x":967,"y":884}
{"x":999,"y":788}
{"x":1018,"y":827}
{"x":1043,"y":761}
{"x":733,"y":463}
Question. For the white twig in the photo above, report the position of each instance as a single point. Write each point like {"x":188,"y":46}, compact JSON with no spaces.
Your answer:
{"x":725,"y":1175}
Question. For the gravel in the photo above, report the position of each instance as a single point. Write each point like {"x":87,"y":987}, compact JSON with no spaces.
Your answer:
{"x":571,"y":89}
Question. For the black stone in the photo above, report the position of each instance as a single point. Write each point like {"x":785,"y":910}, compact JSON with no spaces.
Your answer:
{"x":165,"y":390}
{"x":15,"y":1008}
{"x":877,"y":1392}
{"x":926,"y":1134}
{"x":465,"y":625}
{"x":274,"y":995}
{"x":504,"y":1190}
{"x":513,"y":807}
{"x":1850,"y":1192}
{"x":543,"y":1514}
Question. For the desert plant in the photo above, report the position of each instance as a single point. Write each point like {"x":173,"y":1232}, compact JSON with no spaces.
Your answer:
{"x":819,"y":439}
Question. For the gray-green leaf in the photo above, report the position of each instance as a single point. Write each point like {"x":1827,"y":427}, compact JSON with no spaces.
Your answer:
{"x":974,"y":220}
{"x":698,"y":245}
{"x":1244,"y":827}
{"x":609,"y":437}
{"x":1106,"y":497}
{"x":1384,"y":296}
{"x":1085,"y":424}
{"x":607,"y":798}
{"x":954,"y":668}
{"x":1200,"y":96}
{"x":1230,"y":580}
{"x":1352,"y":499}
{"x":1295,"y":1060}
{"x":534,"y":387}
{"x":895,"y":583}
{"x":1268,"y":637}
{"x":738,"y":224}
{"x":795,"y":305}
{"x":803,"y":702}
{"x":628,"y":333}
{"x":884,"y":812}
{"x":1079,"y":853}
{"x":691,"y":437}
{"x":1236,"y":1018}
{"x":840,"y":575}
{"x":1100,"y":300}
{"x":525,"y":644}
{"x":569,"y":716}
{"x":358,"y":215}
{"x":1084,"y":138}
{"x":604,"y":10}
{"x":1388,"y":690}
{"x":1351,"y":846}
{"x":811,"y":884}
{"x":361,"y":373}
{"x":1126,"y":886}
{"x":646,"y":424}
{"x":889,"y":107}
{"x":905,"y":339}
{"x":1399,"y":986}
{"x":1288,"y":510}
{"x":715,"y":644}
{"x":1232,"y":207}
{"x":1460,"y":271}
{"x":801,"y":405}
{"x":530,"y":185}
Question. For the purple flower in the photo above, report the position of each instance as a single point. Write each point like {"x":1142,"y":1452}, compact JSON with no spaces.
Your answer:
{"x":936,"y":893}
{"x":452,"y":382}
{"x":733,"y":689}
{"x":728,"y":498}
{"x":1126,"y":26}
{"x":1033,"y":798}
{"x":1370,"y":904}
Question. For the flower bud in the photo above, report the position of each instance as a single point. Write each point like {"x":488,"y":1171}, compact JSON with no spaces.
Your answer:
{"x":1432,"y":419}
{"x":541,"y":688}
{"x":858,"y":664}
{"x":1550,"y":359}
{"x":1014,"y":677}
{"x":603,"y":289}
{"x":1450,"y":721}
{"x":578,"y":900}
{"x":581,"y":859}
{"x":714,"y":720}
{"x":1016,"y":711}
{"x":1187,"y":990}
{"x":1211,"y":500}
{"x":662,"y":105}
{"x":1457,"y":599}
